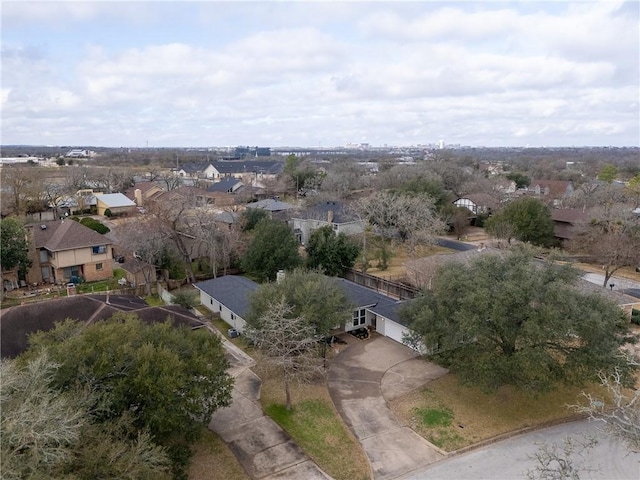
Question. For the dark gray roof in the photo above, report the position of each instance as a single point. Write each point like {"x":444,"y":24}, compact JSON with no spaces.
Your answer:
{"x":390,"y":311}
{"x":320,"y":211}
{"x":362,"y":296}
{"x":272,"y":168}
{"x":225,"y":185}
{"x":232,"y":291}
{"x":271,"y":205}
{"x":194,"y":167}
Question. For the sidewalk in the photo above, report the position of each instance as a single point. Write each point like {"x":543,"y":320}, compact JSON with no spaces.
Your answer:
{"x":264,"y":450}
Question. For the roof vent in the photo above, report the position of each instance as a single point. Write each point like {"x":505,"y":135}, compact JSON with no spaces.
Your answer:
{"x":43,"y":227}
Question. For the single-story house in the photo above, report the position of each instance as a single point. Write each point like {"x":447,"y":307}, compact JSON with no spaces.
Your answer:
{"x":143,"y":192}
{"x":334,"y":214}
{"x":274,"y":208}
{"x":116,"y":203}
{"x":229,"y":297}
{"x":226,"y":185}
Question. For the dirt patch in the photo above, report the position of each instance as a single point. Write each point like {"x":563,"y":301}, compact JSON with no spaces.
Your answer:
{"x":213,"y":460}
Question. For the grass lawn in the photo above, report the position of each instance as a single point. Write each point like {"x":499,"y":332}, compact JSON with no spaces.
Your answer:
{"x":154,"y":300}
{"x":453,"y":416}
{"x":316,"y":427}
{"x":213,"y":460}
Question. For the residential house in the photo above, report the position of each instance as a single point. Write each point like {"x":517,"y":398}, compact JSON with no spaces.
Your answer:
{"x":566,"y":222}
{"x":143,"y":192}
{"x":478,"y":203}
{"x":116,"y":203}
{"x":274,"y":207}
{"x":334,"y":214}
{"x":196,"y":170}
{"x":138,"y":272}
{"x":226,"y":185}
{"x":553,"y":191}
{"x":62,"y":251}
{"x":251,"y":170}
{"x":229,"y":297}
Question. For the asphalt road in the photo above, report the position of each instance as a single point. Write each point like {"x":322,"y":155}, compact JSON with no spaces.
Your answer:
{"x":510,"y":458}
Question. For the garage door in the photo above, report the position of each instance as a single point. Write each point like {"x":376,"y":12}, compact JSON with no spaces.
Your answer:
{"x":394,"y":330}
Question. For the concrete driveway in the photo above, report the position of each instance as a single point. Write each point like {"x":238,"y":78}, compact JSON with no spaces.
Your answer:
{"x":359,"y":378}
{"x":264,"y":450}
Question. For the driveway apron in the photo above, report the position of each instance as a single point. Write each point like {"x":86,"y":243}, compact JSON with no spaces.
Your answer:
{"x":356,"y":380}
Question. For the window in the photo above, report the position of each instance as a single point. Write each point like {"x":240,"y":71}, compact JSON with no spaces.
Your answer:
{"x":44,"y":256}
{"x":211,"y":301}
{"x":233,"y":317}
{"x":359,"y":317}
{"x":98,"y":266}
{"x":220,"y":307}
{"x":97,"y":250}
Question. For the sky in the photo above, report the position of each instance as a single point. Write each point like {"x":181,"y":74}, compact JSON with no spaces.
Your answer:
{"x":324,"y":74}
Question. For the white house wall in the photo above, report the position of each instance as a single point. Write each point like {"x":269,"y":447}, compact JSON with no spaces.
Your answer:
{"x":232,"y":319}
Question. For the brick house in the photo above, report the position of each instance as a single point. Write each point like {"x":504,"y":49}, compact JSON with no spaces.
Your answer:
{"x":64,"y":251}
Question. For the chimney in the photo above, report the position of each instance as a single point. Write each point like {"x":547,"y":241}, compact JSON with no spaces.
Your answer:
{"x":330,"y":216}
{"x":138,"y":196}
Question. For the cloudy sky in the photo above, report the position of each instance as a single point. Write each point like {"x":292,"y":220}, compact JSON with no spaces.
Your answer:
{"x":276,"y":73}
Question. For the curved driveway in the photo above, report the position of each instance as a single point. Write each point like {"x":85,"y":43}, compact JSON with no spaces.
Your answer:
{"x":356,"y":382}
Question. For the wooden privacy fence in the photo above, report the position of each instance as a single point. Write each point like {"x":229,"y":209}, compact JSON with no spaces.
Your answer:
{"x":391,"y":288}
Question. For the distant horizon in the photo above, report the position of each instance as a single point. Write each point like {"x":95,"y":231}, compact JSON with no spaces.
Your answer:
{"x":174,"y":74}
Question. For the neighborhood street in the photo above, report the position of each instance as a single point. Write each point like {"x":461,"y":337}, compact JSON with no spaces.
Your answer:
{"x":510,"y":458}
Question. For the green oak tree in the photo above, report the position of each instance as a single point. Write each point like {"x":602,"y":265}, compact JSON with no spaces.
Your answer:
{"x":511,"y":320}
{"x":272,"y":248}
{"x":170,"y":378}
{"x":527,"y":219}
{"x":608,"y":173}
{"x":14,"y":248}
{"x":49,"y":433}
{"x":331,"y":253}
{"x":321,"y":300}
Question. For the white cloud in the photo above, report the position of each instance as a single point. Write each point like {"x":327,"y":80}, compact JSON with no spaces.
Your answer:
{"x":221,"y":73}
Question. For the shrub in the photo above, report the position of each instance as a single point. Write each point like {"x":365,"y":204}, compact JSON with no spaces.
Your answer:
{"x":186,"y":298}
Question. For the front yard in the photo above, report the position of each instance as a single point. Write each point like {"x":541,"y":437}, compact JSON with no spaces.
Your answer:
{"x":453,"y":416}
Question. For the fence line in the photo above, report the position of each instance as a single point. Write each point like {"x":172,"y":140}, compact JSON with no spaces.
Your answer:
{"x":391,"y":288}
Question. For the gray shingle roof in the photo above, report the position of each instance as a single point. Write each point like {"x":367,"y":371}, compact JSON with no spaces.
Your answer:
{"x":271,"y":205}
{"x":362,"y":296}
{"x":224,"y":185}
{"x":320,"y":212}
{"x":232,"y":291}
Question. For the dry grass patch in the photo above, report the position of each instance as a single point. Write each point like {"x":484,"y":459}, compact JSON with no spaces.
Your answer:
{"x":315,"y":426}
{"x":452,"y":416}
{"x":399,"y":256}
{"x":213,"y":460}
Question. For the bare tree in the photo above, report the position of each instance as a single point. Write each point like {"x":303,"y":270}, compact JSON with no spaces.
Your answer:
{"x":170,"y":180}
{"x":288,"y":344}
{"x":411,"y":218}
{"x":145,"y":241}
{"x":18,"y":180}
{"x":611,"y":238}
{"x":620,"y":414}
